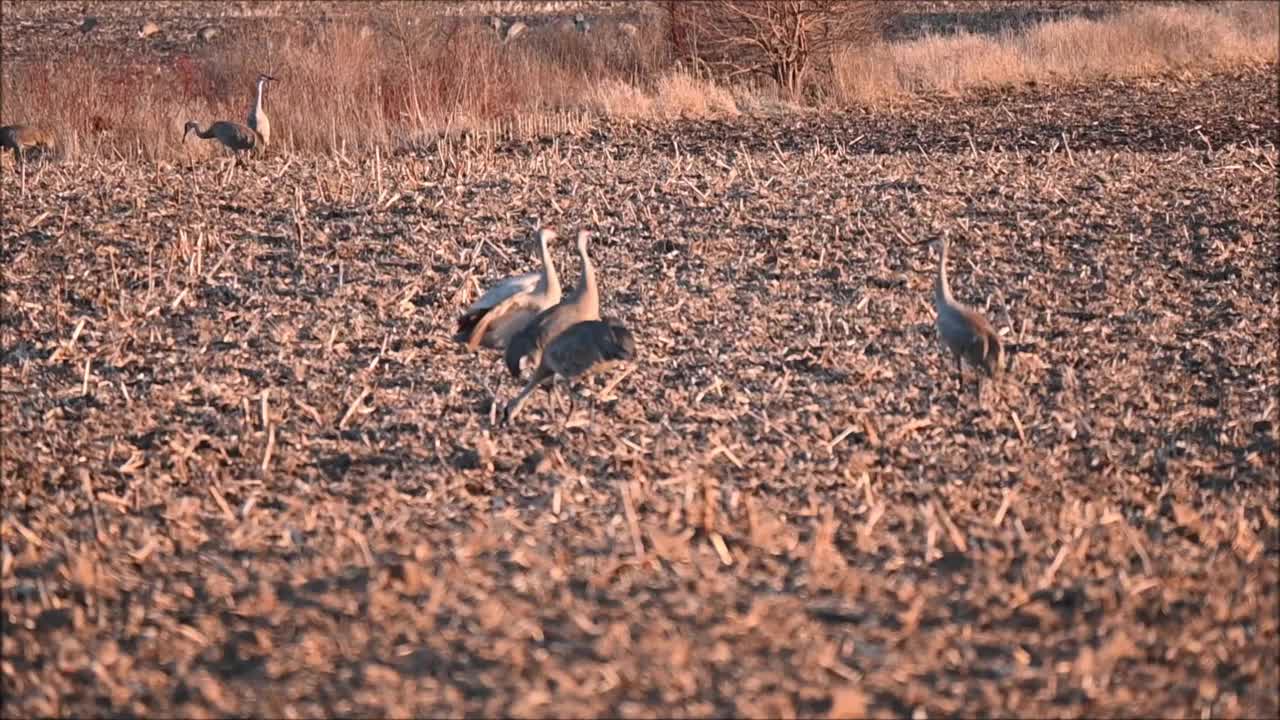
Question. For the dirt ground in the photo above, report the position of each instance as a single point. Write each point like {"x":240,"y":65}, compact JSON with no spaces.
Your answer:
{"x":246,"y":470}
{"x":35,"y":31}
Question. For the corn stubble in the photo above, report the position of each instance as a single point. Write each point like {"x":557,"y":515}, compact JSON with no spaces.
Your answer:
{"x":247,"y":470}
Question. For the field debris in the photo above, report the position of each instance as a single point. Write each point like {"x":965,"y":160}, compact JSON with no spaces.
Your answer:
{"x":247,"y":471}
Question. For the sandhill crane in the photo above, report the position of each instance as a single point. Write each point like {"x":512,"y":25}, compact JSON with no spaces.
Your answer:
{"x":966,"y":334}
{"x":583,"y":348}
{"x":24,"y":138}
{"x":257,"y":116}
{"x":504,"y":309}
{"x":582,"y":304}
{"x":233,"y":136}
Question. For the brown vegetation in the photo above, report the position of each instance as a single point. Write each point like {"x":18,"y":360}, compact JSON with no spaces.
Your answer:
{"x":247,"y":471}
{"x":780,"y":39}
{"x":389,"y":79}
{"x":1143,"y":39}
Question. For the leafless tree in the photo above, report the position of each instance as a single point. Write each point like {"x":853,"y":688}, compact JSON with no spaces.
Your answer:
{"x":783,"y":39}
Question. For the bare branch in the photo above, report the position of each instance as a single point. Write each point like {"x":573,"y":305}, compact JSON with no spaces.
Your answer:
{"x":780,"y":38}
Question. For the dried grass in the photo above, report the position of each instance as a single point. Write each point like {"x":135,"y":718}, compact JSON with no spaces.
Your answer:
{"x":344,"y":87}
{"x":617,"y":99}
{"x":681,"y":95}
{"x":389,"y":80}
{"x":246,"y":470}
{"x":1140,"y":40}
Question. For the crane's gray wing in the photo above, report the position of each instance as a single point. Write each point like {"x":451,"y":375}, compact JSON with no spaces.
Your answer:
{"x":492,"y":298}
{"x":504,"y":289}
{"x":588,"y":345}
{"x":496,"y":328}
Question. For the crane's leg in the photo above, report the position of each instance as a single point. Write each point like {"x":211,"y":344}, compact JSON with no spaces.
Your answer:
{"x":575,"y":394}
{"x":493,"y":402}
{"x":553,"y":400}
{"x":568,"y":391}
{"x":595,"y":395}
{"x":959,"y":373}
{"x":513,"y":407}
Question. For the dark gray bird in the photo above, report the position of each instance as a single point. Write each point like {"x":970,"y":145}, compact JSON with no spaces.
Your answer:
{"x":584,"y":348}
{"x":581,"y":305}
{"x":233,"y":136}
{"x":966,"y":334}
{"x":22,"y":139}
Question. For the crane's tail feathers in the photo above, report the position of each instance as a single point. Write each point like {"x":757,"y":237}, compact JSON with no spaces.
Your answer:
{"x":468,"y":321}
{"x":621,"y":345}
{"x":515,"y":352}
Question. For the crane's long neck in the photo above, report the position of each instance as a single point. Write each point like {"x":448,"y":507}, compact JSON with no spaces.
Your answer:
{"x":550,"y":278}
{"x":205,"y":134}
{"x":942,"y":288}
{"x":588,"y":297}
{"x":257,"y":105}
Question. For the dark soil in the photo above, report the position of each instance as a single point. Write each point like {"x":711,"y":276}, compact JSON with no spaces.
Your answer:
{"x":247,"y":472}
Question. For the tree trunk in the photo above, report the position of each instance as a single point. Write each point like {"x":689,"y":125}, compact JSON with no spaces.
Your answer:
{"x":788,"y":74}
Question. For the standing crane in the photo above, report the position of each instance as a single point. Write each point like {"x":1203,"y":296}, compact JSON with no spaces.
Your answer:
{"x":582,"y":349}
{"x":506,"y":308}
{"x":233,"y":136}
{"x":582,"y":304}
{"x":257,"y":116}
{"x":966,"y":334}
{"x":22,"y":139}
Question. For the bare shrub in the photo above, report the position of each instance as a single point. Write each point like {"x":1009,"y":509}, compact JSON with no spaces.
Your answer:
{"x":781,"y":39}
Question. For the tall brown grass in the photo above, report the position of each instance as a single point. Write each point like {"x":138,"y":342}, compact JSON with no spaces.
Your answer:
{"x":347,"y":87}
{"x":397,"y":81}
{"x":1139,"y":39}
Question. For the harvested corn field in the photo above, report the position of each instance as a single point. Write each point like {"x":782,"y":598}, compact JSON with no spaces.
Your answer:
{"x":247,"y":470}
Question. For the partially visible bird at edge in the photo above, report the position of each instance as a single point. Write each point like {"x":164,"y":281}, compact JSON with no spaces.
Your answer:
{"x":584,"y":348}
{"x":965,"y":333}
{"x":507,"y":307}
{"x":581,"y":305}
{"x":22,"y":139}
